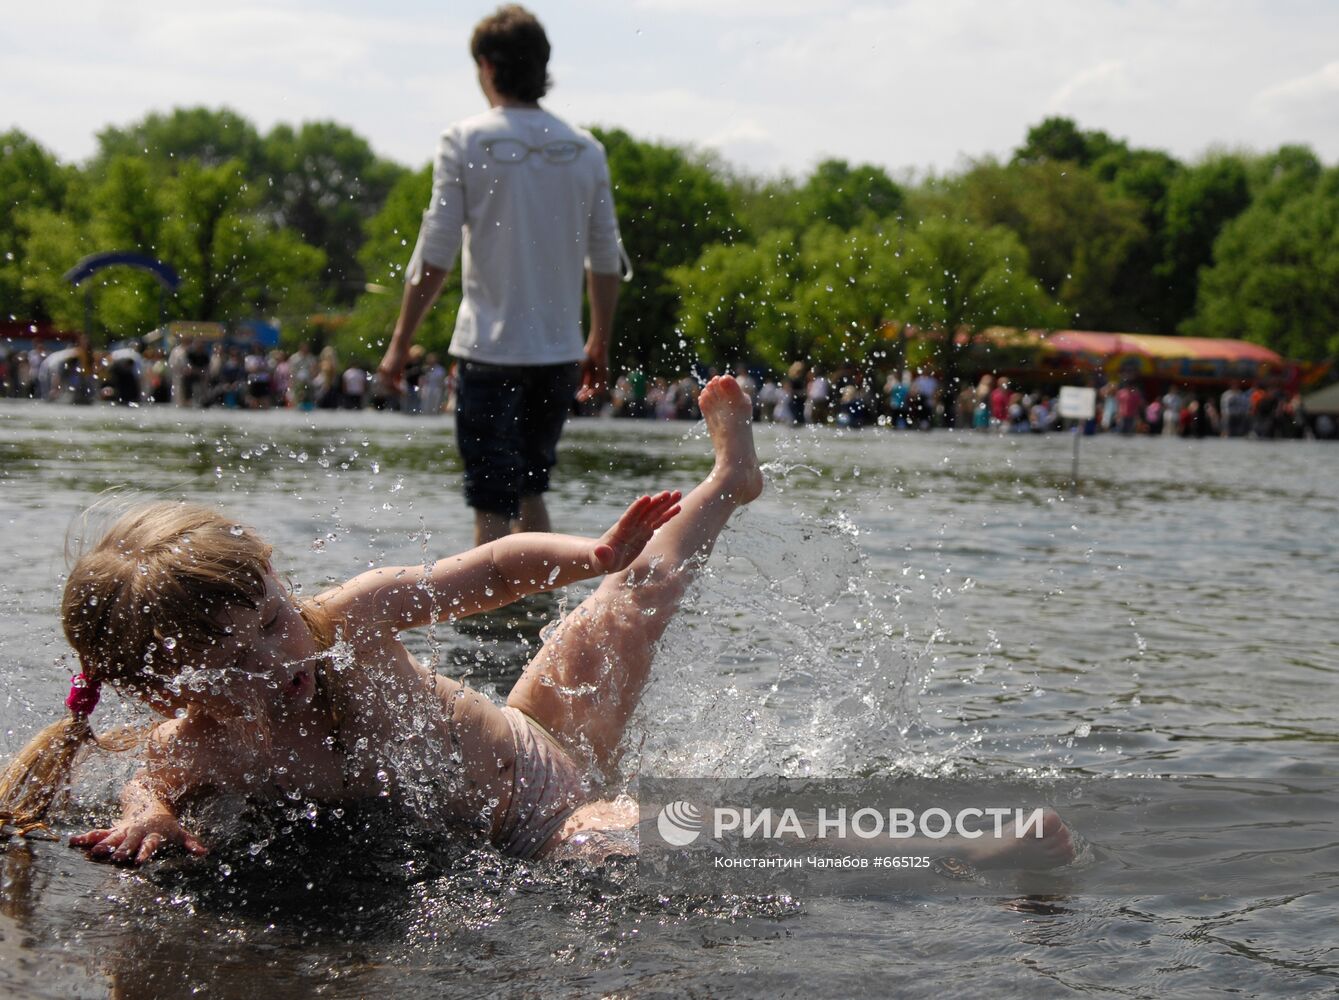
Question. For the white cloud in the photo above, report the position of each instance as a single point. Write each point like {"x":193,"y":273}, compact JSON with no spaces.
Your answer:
{"x":730,"y":8}
{"x":1301,"y":109}
{"x":776,"y":83}
{"x":1322,"y":85}
{"x":1097,"y":84}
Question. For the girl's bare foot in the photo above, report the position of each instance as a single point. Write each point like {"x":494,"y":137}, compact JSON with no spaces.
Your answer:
{"x":728,"y":412}
{"x":1051,"y":850}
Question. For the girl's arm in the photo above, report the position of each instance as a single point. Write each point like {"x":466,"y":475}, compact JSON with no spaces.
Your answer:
{"x":148,"y":821}
{"x":494,"y":575}
{"x":183,"y":756}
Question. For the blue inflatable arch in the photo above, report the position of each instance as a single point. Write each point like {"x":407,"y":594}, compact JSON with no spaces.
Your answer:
{"x":93,"y":263}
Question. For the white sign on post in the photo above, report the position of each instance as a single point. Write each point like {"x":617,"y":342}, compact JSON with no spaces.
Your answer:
{"x":1077,"y":402}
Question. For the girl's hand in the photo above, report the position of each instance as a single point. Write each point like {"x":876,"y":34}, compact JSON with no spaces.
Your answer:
{"x":133,"y":842}
{"x":622,"y":543}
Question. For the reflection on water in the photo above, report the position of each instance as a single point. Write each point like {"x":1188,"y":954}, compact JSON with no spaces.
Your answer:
{"x":896,"y":603}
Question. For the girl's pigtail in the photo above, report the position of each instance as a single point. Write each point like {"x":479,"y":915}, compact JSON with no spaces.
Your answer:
{"x":322,"y":630}
{"x":36,"y":776}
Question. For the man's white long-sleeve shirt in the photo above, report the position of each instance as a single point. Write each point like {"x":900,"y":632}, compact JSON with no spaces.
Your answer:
{"x":528,"y":198}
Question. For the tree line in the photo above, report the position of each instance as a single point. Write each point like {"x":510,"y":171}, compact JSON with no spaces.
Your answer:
{"x":1075,"y":229}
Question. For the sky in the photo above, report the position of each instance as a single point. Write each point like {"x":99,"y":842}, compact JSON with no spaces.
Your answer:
{"x":772,"y":86}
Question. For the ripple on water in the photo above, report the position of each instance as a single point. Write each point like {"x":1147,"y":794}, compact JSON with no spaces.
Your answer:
{"x":956,"y":603}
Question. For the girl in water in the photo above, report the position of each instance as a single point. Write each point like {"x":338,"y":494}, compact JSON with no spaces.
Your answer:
{"x":180,"y":607}
{"x":263,"y":695}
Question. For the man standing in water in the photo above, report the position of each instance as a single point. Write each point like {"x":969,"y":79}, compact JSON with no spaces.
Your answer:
{"x":529,"y":197}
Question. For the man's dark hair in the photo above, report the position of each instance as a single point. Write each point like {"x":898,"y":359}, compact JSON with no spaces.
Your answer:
{"x":514,"y":43}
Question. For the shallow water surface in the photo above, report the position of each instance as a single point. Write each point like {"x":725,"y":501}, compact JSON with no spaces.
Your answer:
{"x":895,"y":603}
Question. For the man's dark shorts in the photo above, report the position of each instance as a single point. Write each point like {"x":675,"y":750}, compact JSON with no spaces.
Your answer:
{"x":508,"y":421}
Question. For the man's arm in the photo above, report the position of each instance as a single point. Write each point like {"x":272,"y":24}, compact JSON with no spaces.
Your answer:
{"x":602,"y":289}
{"x":418,"y":299}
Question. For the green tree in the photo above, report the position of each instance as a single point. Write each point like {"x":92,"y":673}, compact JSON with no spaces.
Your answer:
{"x":32,"y":182}
{"x":1060,"y":140}
{"x":737,"y":303}
{"x":853,"y":284}
{"x":52,"y":243}
{"x":391,"y":235}
{"x":671,"y":206}
{"x":829,"y":296}
{"x":233,"y":263}
{"x":324,"y":182}
{"x":1275,"y":273}
{"x":835,"y":193}
{"x":962,"y":278}
{"x":1284,"y":174}
{"x":762,"y":205}
{"x":123,"y":211}
{"x":1201,"y":200}
{"x":205,"y":222}
{"x":1079,"y":233}
{"x":210,"y":137}
{"x":128,"y":213}
{"x":1141,"y":298}
{"x":845,"y":196}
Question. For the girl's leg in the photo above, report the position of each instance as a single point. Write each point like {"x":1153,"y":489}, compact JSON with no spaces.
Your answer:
{"x":584,"y":684}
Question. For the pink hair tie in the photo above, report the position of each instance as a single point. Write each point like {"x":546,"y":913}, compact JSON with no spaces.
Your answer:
{"x":83,"y":696}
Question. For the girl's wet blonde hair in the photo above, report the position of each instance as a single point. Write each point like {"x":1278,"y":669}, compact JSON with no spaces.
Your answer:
{"x":150,"y":591}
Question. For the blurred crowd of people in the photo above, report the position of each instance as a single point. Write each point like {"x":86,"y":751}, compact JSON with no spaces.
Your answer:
{"x":917,"y":400}
{"x":804,"y":395}
{"x":199,"y":373}
{"x":1241,"y":410}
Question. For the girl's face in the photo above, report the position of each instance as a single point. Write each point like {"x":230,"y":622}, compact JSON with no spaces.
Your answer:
{"x":267,"y":662}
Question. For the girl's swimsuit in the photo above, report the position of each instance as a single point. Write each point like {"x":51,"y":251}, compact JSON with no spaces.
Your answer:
{"x":547,"y":786}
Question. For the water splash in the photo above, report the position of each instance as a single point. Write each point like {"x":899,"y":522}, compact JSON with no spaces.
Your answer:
{"x":818,"y":619}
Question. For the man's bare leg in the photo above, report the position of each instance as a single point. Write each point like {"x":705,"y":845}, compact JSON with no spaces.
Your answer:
{"x":534,"y":515}
{"x":489,"y":527}
{"x":586,"y":681}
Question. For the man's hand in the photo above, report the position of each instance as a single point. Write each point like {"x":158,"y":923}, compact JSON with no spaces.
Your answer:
{"x":133,"y":841}
{"x":392,"y":365}
{"x":594,"y":375}
{"x":621,"y":544}
{"x":602,"y":290}
{"x":418,"y":299}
